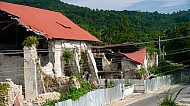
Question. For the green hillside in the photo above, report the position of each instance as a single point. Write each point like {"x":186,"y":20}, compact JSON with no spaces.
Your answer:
{"x":113,"y":27}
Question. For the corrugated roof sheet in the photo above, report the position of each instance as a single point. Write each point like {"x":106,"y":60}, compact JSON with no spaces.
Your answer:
{"x":52,"y":24}
{"x":138,"y":56}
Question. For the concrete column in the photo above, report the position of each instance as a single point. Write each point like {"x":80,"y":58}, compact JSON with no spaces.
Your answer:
{"x":30,"y":75}
{"x":57,"y":64}
{"x":76,"y":60}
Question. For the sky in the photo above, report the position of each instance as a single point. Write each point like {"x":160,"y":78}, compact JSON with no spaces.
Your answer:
{"x":162,"y":6}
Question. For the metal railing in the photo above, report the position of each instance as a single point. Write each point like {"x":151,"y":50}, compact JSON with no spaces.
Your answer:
{"x":147,"y":85}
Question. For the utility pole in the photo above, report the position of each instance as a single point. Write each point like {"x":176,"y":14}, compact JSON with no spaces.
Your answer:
{"x":159,"y":47}
{"x":163,"y":54}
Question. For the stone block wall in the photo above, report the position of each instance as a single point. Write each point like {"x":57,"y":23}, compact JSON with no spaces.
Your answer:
{"x":12,"y":67}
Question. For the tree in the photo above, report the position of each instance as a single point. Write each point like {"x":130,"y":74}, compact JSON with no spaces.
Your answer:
{"x":125,"y":32}
{"x":178,"y":47}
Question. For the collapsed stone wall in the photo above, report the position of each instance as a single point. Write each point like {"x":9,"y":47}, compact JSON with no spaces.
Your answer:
{"x":60,"y":84}
{"x":14,"y":96}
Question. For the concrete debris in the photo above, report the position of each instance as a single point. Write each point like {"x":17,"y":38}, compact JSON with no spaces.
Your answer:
{"x":48,"y":69}
{"x":50,"y":95}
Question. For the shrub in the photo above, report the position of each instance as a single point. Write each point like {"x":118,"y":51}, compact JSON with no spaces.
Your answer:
{"x":153,"y":69}
{"x":50,"y":102}
{"x":74,"y":93}
{"x":68,"y":54}
{"x":143,"y":71}
{"x":81,"y":61}
{"x":3,"y":92}
{"x":111,"y":84}
{"x":168,"y":100}
{"x":84,"y":84}
{"x":30,"y":40}
{"x":128,"y":84}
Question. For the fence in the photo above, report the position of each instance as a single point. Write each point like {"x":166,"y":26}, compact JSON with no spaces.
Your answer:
{"x":147,"y":85}
{"x":98,"y":97}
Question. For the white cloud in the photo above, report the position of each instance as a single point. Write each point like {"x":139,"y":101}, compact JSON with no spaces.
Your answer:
{"x":104,"y":4}
{"x":172,"y":3}
{"x":144,"y":5}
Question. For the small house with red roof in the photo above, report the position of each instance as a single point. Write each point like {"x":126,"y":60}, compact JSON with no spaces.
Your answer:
{"x":55,"y":32}
{"x":121,"y":60}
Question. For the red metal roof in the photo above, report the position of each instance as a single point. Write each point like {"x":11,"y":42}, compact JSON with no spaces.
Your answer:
{"x":114,"y":45}
{"x":52,"y":24}
{"x":137,"y":56}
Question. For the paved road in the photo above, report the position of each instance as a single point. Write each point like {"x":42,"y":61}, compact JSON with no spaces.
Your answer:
{"x":153,"y":100}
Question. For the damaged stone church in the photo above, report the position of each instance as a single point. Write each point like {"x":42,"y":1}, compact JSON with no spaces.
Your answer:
{"x":56,"y":35}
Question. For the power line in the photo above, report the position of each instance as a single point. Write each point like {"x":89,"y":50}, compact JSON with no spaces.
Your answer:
{"x":171,"y":65}
{"x":175,"y":69}
{"x":162,"y":40}
{"x":175,"y":38}
{"x":177,"y":52}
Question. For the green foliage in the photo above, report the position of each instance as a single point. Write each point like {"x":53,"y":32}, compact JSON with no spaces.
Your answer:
{"x":68,"y":54}
{"x":74,"y":94}
{"x":50,"y":102}
{"x":179,"y":46}
{"x":111,"y":84}
{"x":127,"y":83}
{"x":160,"y":74}
{"x":84,"y":84}
{"x":76,"y":75}
{"x":169,"y":100}
{"x":152,"y":69}
{"x":81,"y":61}
{"x":110,"y":25}
{"x":30,"y":40}
{"x":3,"y":92}
{"x":114,"y":27}
{"x":167,"y":68}
{"x":156,"y":70}
{"x":64,"y":62}
{"x":143,"y":71}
